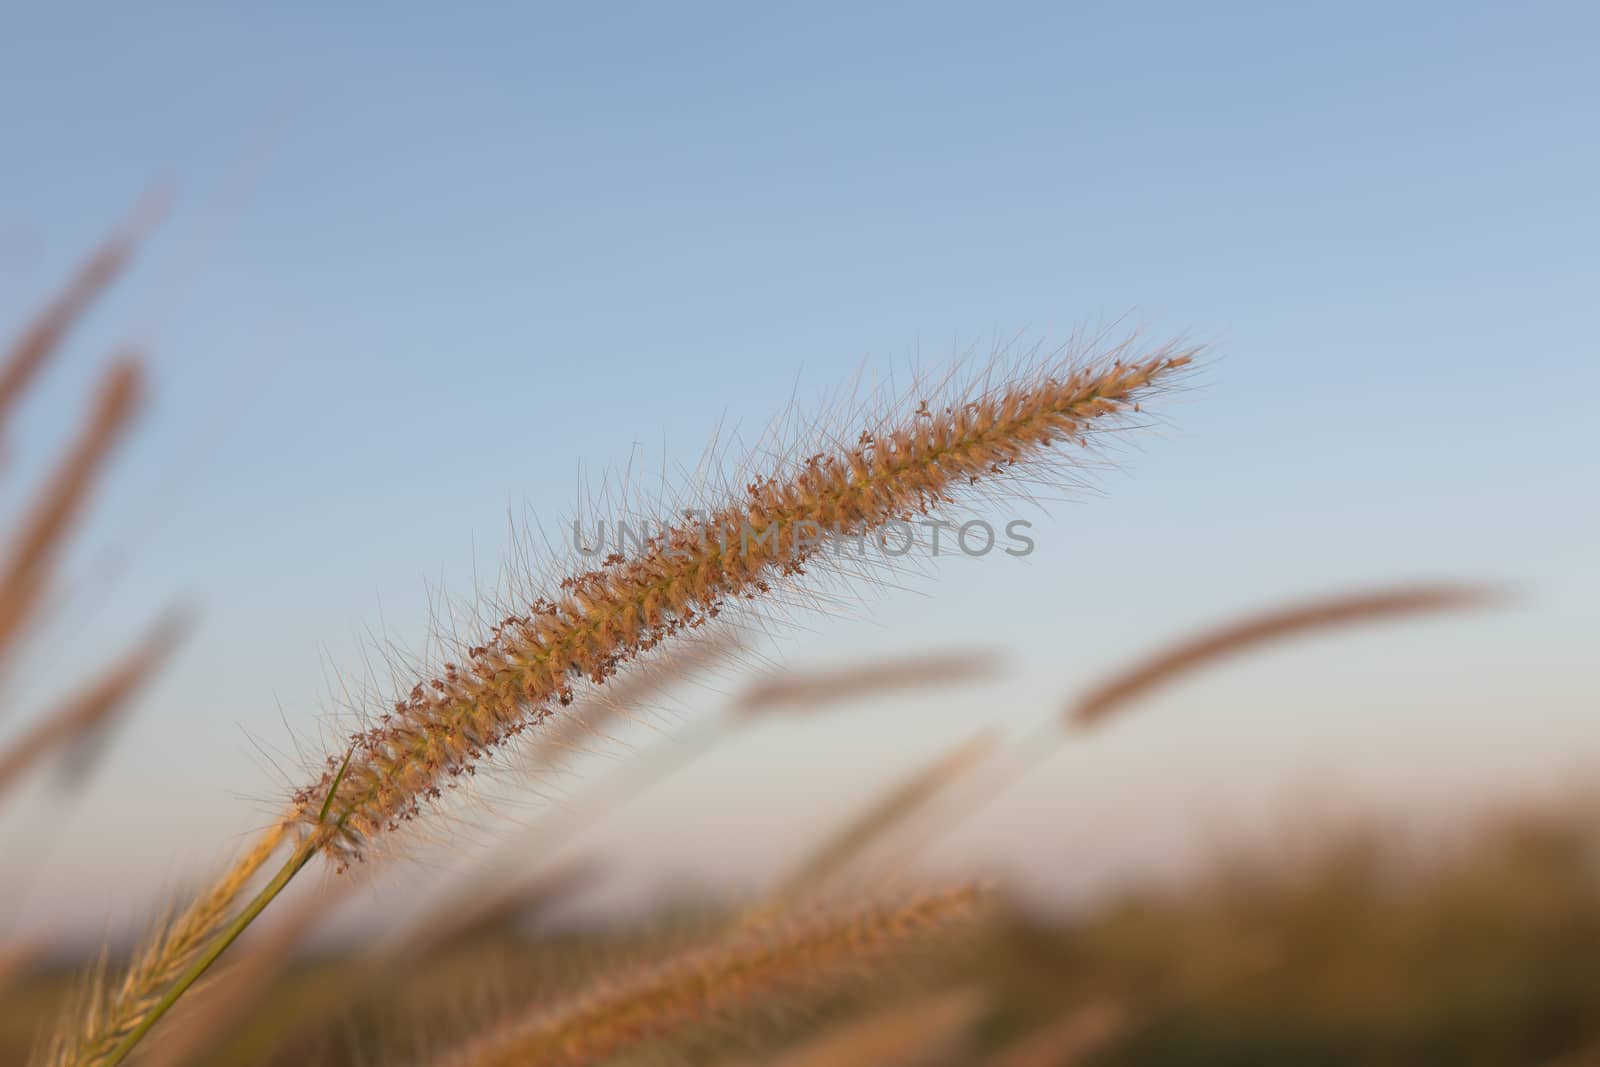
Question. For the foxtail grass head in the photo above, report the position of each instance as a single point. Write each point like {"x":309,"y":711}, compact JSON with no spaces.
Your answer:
{"x":743,"y":549}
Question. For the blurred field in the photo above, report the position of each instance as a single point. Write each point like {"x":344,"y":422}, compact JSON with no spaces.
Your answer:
{"x":1361,"y":948}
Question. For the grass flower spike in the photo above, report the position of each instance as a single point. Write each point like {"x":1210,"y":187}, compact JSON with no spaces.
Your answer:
{"x":703,"y":986}
{"x":529,"y":664}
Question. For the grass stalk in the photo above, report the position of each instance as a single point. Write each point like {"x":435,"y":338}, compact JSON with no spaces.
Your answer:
{"x":297,"y":860}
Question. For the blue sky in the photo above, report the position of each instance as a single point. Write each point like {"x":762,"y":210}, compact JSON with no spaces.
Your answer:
{"x":426,"y":267}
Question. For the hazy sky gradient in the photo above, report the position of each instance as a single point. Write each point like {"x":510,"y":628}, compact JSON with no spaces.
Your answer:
{"x":427,"y":267}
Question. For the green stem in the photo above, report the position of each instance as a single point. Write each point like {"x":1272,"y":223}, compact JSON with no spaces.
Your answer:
{"x":227,"y":936}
